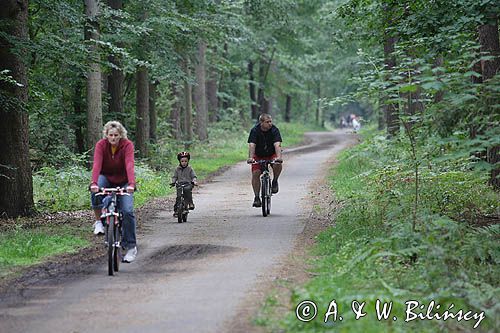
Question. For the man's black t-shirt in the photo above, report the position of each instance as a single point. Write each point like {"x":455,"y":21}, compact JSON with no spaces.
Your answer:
{"x":264,"y":141}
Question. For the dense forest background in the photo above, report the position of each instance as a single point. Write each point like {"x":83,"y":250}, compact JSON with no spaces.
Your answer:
{"x":172,"y":70}
{"x":416,"y":213}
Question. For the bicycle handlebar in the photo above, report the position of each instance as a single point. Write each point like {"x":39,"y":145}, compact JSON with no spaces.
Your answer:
{"x":183,"y":185}
{"x":266,"y":161}
{"x":108,"y":190}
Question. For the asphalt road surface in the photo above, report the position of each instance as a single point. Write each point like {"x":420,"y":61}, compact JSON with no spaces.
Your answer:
{"x":189,"y":277}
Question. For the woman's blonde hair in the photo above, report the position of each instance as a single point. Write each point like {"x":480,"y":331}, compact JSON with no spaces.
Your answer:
{"x":114,"y":124}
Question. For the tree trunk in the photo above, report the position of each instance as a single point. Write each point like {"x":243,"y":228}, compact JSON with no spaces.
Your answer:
{"x":490,"y":45}
{"x":175,"y":113}
{"x":439,"y":94}
{"x":211,"y":88}
{"x":153,"y":113}
{"x":308,"y":99}
{"x":288,"y":108}
{"x":16,"y":194}
{"x":318,"y":102}
{"x":115,"y":88}
{"x":381,"y":112}
{"x":80,"y":116}
{"x":260,"y":93}
{"x":142,"y":111}
{"x":391,"y":109}
{"x":200,"y":95}
{"x":188,"y":106}
{"x":251,"y":88}
{"x":268,"y":106}
{"x":116,"y":77}
{"x":223,"y":101}
{"x":94,"y":93}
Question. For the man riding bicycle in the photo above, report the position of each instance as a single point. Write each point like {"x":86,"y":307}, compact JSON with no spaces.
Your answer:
{"x":264,"y":143}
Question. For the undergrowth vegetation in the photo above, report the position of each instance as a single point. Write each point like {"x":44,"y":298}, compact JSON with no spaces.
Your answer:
{"x":372,"y":252}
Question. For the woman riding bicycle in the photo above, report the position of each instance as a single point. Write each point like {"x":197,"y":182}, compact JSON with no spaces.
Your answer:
{"x":264,"y":143}
{"x":114,"y":167}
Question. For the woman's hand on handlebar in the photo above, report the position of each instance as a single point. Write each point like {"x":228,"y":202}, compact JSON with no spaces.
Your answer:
{"x":278,"y":160}
{"x":250,"y":161}
{"x":94,"y":188}
{"x":130,"y":189}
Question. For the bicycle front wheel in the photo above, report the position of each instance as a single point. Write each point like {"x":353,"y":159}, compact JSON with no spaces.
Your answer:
{"x":117,"y":257}
{"x":111,"y":243}
{"x":263,"y":190}
{"x":269,"y":195}
{"x":180,"y":211}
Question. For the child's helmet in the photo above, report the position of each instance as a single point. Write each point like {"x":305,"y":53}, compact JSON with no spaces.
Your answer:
{"x":183,"y":154}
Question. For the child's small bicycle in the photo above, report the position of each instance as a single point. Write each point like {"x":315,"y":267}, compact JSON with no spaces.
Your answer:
{"x":112,"y":219}
{"x":182,"y":209}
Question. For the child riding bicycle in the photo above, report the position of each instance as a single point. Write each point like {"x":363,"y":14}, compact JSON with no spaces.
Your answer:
{"x":184,"y":174}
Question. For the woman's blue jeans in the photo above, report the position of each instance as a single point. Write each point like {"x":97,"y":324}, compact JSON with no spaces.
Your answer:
{"x":125,"y":204}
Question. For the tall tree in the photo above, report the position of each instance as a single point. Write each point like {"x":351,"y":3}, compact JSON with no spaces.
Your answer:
{"x":16,"y":196}
{"x":188,"y":100}
{"x":288,"y":108}
{"x":199,"y":93}
{"x":489,"y":41}
{"x":142,"y":110}
{"x":251,"y":88}
{"x":153,"y":112}
{"x":94,"y":93}
{"x":211,"y":89}
{"x":390,"y":109}
{"x":116,"y":77}
{"x":175,"y":113}
{"x":490,"y":46}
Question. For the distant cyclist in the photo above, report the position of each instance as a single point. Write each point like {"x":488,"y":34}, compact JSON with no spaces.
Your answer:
{"x":264,"y":143}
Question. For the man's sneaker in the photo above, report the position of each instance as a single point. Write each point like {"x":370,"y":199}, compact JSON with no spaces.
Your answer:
{"x":257,"y":202}
{"x":191,"y":206}
{"x":98,"y":228}
{"x":274,"y":186}
{"x":131,"y":254}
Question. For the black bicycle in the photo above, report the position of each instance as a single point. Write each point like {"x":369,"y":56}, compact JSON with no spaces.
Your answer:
{"x":182,"y":209}
{"x":112,"y":220}
{"x":265,"y":185}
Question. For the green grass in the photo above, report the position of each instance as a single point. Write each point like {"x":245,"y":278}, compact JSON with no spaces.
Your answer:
{"x":372,"y":253}
{"x":22,"y":247}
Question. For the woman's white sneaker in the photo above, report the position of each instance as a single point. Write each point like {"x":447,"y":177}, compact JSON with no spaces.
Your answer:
{"x":98,"y":228}
{"x":131,"y":254}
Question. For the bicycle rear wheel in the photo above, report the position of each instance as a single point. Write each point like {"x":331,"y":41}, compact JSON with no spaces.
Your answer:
{"x":263,"y":190}
{"x":111,"y":243}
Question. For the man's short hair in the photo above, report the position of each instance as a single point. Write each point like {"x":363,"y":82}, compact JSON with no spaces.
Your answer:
{"x":264,"y":116}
